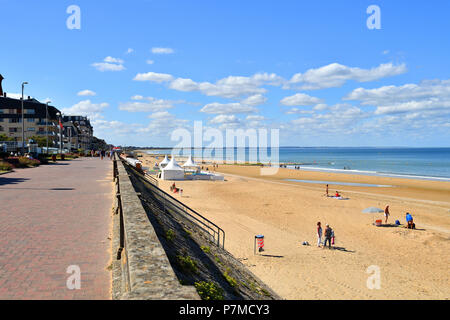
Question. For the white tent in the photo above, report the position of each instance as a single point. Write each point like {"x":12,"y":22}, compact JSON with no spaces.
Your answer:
{"x":172,"y":171}
{"x":164,"y":163}
{"x":190,"y":163}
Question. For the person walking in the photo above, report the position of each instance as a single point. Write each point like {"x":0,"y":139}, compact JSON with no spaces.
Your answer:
{"x":328,"y":232}
{"x":386,"y":213}
{"x":319,"y":234}
{"x":332,"y":237}
{"x":102,"y":154}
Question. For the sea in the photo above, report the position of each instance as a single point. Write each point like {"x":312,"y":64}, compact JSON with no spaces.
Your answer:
{"x":417,"y":163}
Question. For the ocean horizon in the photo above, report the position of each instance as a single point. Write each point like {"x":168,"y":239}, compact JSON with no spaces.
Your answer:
{"x":404,"y":162}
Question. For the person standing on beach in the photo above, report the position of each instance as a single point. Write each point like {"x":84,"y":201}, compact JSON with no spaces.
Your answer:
{"x":328,"y":232}
{"x":327,"y":190}
{"x":319,"y":234}
{"x":386,"y":213}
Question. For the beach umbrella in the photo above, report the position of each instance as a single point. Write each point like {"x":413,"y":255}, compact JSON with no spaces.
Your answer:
{"x":372,"y":210}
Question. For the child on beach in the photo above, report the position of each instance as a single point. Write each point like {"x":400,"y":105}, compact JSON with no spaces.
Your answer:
{"x":332,"y":237}
{"x":319,"y":234}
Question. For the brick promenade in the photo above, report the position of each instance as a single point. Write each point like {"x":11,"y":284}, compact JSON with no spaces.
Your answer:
{"x":52,"y":217}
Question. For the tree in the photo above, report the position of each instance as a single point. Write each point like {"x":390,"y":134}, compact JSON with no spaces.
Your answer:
{"x":41,"y":141}
{"x":4,"y":137}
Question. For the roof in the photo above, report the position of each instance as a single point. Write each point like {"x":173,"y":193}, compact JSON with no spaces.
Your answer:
{"x":173,"y":165}
{"x":165,"y":161}
{"x":190,"y":163}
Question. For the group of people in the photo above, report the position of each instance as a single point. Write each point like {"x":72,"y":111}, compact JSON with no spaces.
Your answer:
{"x":328,"y":235}
{"x":101,"y":153}
{"x":337,"y":194}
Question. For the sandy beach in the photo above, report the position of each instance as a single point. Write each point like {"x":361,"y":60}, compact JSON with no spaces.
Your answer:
{"x":413,"y":264}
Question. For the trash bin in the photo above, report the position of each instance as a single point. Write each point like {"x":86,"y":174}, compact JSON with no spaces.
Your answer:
{"x":259,"y":240}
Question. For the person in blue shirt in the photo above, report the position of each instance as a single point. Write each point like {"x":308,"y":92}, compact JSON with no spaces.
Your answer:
{"x":409,"y":221}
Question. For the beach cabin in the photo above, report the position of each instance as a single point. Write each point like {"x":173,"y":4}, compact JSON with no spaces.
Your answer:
{"x":164,"y":163}
{"x":172,"y":171}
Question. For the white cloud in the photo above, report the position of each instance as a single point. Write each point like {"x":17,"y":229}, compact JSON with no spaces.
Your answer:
{"x":254,"y":100}
{"x":300,"y":99}
{"x":425,"y":96}
{"x":255,"y":118}
{"x":109,"y":64}
{"x":130,"y":50}
{"x":225,"y":119}
{"x":227,"y":108}
{"x":229,"y":87}
{"x":150,"y":61}
{"x":113,"y":60}
{"x":162,"y":50}
{"x":87,"y":108}
{"x":153,"y":77}
{"x":150,"y":105}
{"x":335,"y":75}
{"x":86,"y":93}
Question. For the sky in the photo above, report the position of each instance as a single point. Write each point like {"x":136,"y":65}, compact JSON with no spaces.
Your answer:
{"x":323,"y":73}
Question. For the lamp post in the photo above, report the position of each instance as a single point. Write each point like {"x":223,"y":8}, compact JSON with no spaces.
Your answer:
{"x":60,"y":132}
{"x":23,"y":123}
{"x":46,"y":123}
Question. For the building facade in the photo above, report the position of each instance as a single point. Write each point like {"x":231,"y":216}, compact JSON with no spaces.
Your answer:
{"x":39,"y":120}
{"x":84,"y":131}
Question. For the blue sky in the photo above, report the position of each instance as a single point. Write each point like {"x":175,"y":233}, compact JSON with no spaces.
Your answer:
{"x":312,"y":69}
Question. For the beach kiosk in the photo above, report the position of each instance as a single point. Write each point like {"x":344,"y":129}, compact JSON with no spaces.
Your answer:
{"x":191,"y":165}
{"x":172,"y":171}
{"x":164,"y":163}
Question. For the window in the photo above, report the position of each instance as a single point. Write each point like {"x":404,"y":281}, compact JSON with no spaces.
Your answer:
{"x":1,"y":128}
{"x":31,"y":129}
{"x":30,"y":119}
{"x":12,"y":129}
{"x":30,"y":111}
{"x":15,"y":120}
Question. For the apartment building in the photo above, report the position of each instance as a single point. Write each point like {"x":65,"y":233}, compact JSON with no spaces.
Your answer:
{"x":84,"y":131}
{"x":38,"y":119}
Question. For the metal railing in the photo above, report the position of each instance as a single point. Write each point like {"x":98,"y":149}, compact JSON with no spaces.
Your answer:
{"x":172,"y":205}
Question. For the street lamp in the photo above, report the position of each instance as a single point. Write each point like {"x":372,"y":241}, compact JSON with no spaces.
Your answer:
{"x":46,"y":123}
{"x":23,"y":122}
{"x":60,"y":132}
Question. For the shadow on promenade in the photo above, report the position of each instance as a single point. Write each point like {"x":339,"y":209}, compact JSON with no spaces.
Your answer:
{"x":48,"y":189}
{"x":5,"y":181}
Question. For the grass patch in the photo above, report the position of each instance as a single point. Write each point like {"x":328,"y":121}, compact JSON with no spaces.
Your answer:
{"x":206,"y":249}
{"x":188,"y":264}
{"x":232,"y":281}
{"x":170,"y":235}
{"x":209,"y":290}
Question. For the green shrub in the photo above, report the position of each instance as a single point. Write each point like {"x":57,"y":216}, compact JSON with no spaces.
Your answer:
{"x":5,"y":166}
{"x":188,"y":264}
{"x":209,"y":290}
{"x":170,"y":235}
{"x":206,"y":249}
{"x":232,"y":281}
{"x":25,"y":162}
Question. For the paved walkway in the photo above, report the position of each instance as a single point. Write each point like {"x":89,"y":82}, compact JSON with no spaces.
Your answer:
{"x":53,"y":217}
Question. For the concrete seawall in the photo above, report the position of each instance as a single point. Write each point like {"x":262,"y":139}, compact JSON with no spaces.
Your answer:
{"x":141,"y":269}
